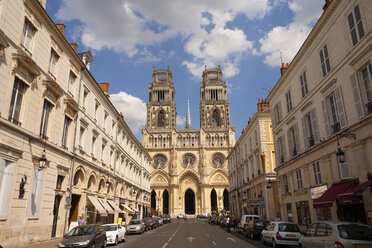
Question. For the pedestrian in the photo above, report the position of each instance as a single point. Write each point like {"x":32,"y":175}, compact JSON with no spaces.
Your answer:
{"x":235,"y":223}
{"x":81,"y":221}
{"x":228,"y":223}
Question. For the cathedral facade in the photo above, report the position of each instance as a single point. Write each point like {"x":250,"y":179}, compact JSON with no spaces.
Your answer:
{"x":189,"y":171}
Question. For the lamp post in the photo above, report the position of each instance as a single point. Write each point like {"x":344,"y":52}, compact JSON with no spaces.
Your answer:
{"x":43,"y":162}
{"x":340,"y":154}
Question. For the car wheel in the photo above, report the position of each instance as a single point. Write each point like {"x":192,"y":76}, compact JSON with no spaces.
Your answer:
{"x":275,"y":245}
{"x":116,"y":240}
{"x":252,"y":236}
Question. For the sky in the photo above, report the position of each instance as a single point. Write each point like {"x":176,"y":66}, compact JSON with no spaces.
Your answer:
{"x":249,"y":39}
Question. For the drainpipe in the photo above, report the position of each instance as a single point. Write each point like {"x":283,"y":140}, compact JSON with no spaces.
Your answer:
{"x":69,"y":189}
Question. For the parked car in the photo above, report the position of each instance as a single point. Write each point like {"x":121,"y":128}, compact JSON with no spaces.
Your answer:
{"x":337,"y":234}
{"x":166,"y":218}
{"x":115,"y":233}
{"x":135,"y":226}
{"x":149,"y":223}
{"x":156,"y":222}
{"x":161,"y":221}
{"x":85,"y":236}
{"x":245,"y":219}
{"x":281,"y":233}
{"x":180,"y":216}
{"x":255,"y":227}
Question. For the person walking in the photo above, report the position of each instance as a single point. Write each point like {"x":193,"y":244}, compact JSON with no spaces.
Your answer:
{"x":235,"y":223}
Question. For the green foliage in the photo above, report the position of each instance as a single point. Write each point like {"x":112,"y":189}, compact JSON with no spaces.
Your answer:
{"x":215,"y":212}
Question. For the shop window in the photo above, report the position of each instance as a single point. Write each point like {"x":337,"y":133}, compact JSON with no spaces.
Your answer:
{"x":303,"y":213}
{"x":36,"y":192}
{"x":289,"y":212}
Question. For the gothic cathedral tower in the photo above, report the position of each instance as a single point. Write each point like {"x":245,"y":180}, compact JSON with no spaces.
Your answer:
{"x":161,"y":107}
{"x":214,"y":106}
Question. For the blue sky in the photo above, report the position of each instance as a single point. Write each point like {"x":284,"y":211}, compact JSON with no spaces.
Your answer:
{"x":127,"y":38}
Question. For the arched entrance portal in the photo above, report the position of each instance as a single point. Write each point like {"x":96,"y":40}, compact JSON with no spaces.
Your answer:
{"x":213,"y":200}
{"x":189,"y":202}
{"x":226,"y":200}
{"x":153,"y":199}
{"x":165,"y":202}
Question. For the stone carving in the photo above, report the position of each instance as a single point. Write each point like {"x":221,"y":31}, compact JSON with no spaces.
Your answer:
{"x":219,"y":178}
{"x":159,"y":161}
{"x":218,"y":159}
{"x":159,"y":179}
{"x":189,"y":159}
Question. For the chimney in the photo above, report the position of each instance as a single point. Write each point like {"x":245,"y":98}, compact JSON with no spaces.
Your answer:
{"x":283,"y":69}
{"x":61,"y":28}
{"x":104,"y":86}
{"x":74,"y":46}
{"x":249,"y":121}
{"x":243,"y":131}
{"x":327,"y":3}
{"x":262,"y":105}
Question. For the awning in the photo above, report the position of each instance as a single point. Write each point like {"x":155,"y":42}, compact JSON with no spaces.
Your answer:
{"x":351,"y":192}
{"x":114,"y":206}
{"x":97,"y":205}
{"x":106,"y":206}
{"x":127,"y":209}
{"x":327,"y":199}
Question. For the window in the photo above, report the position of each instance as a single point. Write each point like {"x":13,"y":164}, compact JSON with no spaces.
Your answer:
{"x":317,"y":173}
{"x":344,"y":168}
{"x":27,"y":37}
{"x":112,"y":158}
{"x":59,"y":181}
{"x":19,"y":89}
{"x":355,"y":25}
{"x":324,"y":60}
{"x":161,"y":117}
{"x":362,"y":90}
{"x":103,"y":151}
{"x":71,"y":82}
{"x":367,"y":84}
{"x":47,"y":108}
{"x":310,"y":129}
{"x":66,"y":126}
{"x":36,"y":192}
{"x":281,"y":151}
{"x":303,"y":80}
{"x":113,"y":128}
{"x":53,"y":63}
{"x":277,"y":113}
{"x":299,"y":179}
{"x":96,"y":108}
{"x":6,"y":180}
{"x":285,"y":184}
{"x":289,"y":100}
{"x":105,"y":120}
{"x":256,"y":137}
{"x":250,"y":143}
{"x":85,"y":98}
{"x":81,"y":137}
{"x":94,"y":143}
{"x":289,"y":212}
{"x":293,"y":140}
{"x":334,"y":112}
{"x":215,"y":118}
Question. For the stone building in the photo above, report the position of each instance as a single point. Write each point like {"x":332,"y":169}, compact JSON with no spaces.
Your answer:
{"x":65,"y":151}
{"x":189,"y":168}
{"x":322,"y":122}
{"x":253,"y":185}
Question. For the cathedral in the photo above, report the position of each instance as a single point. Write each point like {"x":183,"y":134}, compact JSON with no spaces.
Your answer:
{"x":189,"y":171}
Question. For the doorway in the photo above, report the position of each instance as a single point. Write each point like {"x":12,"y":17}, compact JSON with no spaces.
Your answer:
{"x":213,"y":200}
{"x":74,"y":211}
{"x":153,"y":199}
{"x":226,"y":200}
{"x":189,"y":202}
{"x":57,"y":201}
{"x":165,"y":202}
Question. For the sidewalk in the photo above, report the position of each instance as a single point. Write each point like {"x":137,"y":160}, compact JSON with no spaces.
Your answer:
{"x":45,"y":244}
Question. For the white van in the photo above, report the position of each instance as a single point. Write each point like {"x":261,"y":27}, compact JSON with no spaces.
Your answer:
{"x":245,"y":219}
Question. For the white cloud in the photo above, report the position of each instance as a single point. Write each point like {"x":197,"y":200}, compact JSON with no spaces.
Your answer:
{"x":180,"y":120}
{"x":288,"y":39}
{"x":133,"y":109}
{"x":129,"y":26}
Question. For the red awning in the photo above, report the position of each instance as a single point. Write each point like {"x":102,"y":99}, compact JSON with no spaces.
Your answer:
{"x":328,"y":197}
{"x":348,"y":195}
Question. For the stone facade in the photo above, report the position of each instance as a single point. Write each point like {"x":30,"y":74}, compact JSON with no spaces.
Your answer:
{"x":51,"y":107}
{"x":322,"y":104}
{"x":189,"y":168}
{"x":253,"y":185}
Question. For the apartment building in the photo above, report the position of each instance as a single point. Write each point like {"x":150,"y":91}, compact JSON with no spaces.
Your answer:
{"x":65,"y":151}
{"x":322,"y":126}
{"x":251,"y":164}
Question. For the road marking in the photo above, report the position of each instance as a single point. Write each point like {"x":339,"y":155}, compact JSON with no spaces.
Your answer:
{"x":233,"y":240}
{"x":165,"y":245}
{"x":214,"y":242}
{"x":190,"y":239}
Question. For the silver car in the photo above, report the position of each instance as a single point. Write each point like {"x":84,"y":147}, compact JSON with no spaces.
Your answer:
{"x":135,"y":226}
{"x":326,"y":234}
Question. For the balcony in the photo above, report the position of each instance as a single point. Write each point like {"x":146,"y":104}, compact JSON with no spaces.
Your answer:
{"x":12,"y":120}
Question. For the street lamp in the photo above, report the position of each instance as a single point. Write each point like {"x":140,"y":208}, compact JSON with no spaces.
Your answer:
{"x":43,"y":162}
{"x":340,"y":154}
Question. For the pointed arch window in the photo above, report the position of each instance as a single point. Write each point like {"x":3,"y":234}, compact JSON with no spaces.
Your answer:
{"x":215,"y":118}
{"x":161,"y":119}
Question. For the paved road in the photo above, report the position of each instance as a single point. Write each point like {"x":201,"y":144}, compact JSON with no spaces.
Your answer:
{"x":191,"y":234}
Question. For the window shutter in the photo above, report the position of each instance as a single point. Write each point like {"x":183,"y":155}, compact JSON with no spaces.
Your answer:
{"x":314,"y":123}
{"x":274,"y":117}
{"x":340,"y":107}
{"x":304,"y":133}
{"x":357,"y":95}
{"x":325,"y":118}
{"x":290,"y":143}
{"x":280,"y":111}
{"x":276,"y":152}
{"x":283,"y":148}
{"x":297,"y":138}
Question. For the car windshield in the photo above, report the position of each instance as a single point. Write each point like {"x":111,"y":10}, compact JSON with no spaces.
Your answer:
{"x":134,"y":222}
{"x":355,"y":232}
{"x":110,"y":228}
{"x":287,"y":227}
{"x":259,"y":223}
{"x":81,"y":231}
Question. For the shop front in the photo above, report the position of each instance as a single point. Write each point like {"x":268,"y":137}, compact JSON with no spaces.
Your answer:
{"x":95,"y":213}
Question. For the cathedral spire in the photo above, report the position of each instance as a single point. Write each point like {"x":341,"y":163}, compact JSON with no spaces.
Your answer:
{"x":188,"y":118}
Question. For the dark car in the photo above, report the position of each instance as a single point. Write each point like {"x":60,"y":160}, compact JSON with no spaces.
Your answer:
{"x":156,"y":221}
{"x":85,"y":236}
{"x":254,"y":228}
{"x":149,"y":223}
{"x":166,"y":218}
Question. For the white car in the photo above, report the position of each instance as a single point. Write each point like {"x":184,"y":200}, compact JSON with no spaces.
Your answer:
{"x":115,"y":233}
{"x":180,"y":216}
{"x":281,"y":233}
{"x":245,"y":219}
